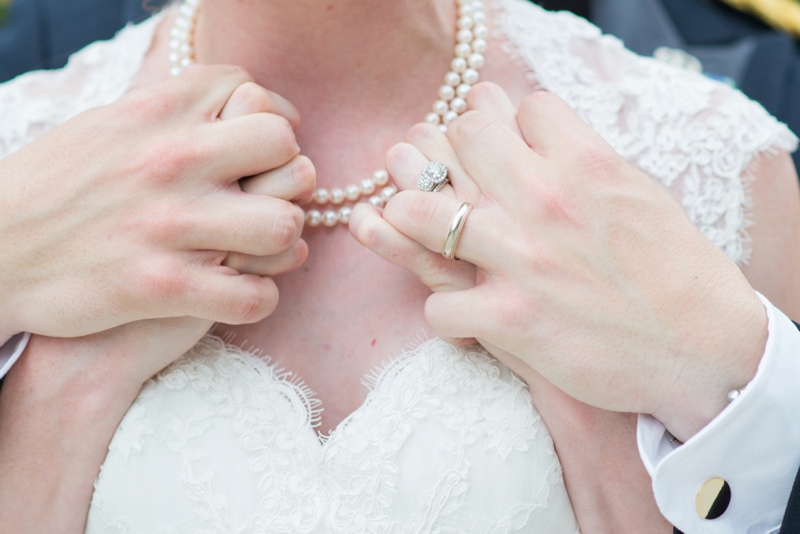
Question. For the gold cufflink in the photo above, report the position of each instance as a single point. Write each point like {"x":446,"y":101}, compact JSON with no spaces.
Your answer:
{"x":713,"y":498}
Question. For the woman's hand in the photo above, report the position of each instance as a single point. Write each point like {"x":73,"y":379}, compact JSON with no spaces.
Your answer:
{"x":128,"y":211}
{"x":63,"y":401}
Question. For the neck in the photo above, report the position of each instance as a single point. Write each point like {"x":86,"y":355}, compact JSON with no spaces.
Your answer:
{"x":353,"y":49}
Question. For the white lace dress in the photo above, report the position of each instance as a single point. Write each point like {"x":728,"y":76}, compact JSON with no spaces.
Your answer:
{"x":447,"y":440}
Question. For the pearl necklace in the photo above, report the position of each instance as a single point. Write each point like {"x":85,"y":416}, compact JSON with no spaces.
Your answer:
{"x":467,"y":61}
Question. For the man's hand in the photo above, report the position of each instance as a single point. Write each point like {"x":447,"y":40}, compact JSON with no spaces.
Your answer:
{"x":586,"y":270}
{"x":135,"y":211}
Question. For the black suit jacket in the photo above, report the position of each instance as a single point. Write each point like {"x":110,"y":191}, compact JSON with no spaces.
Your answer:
{"x":42,"y":34}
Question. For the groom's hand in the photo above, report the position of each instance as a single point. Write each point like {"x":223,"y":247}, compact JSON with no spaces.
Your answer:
{"x":134,"y":210}
{"x":586,"y":270}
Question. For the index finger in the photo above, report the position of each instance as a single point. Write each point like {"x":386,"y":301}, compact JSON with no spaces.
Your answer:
{"x":252,"y":98}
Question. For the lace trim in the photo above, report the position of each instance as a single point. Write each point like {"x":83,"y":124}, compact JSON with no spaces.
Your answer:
{"x":462,"y":403}
{"x":36,"y":102}
{"x":696,"y":137}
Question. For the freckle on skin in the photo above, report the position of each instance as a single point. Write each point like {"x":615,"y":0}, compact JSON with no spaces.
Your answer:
{"x":374,"y":341}
{"x":327,"y":346}
{"x":329,"y":8}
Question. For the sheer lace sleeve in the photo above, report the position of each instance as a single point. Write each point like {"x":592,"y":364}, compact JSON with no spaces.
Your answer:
{"x":692,"y":135}
{"x":101,"y":73}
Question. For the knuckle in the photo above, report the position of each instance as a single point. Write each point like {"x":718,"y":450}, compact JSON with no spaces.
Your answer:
{"x":424,"y":210}
{"x":473,"y":124}
{"x":482,"y":92}
{"x":304,"y":174}
{"x":421,"y":133}
{"x":153,"y":103}
{"x":281,"y":136}
{"x":285,"y":227}
{"x":257,"y":299}
{"x":596,"y":158}
{"x":164,"y":281}
{"x":368,"y":233}
{"x":169,"y":159}
{"x":251,"y":98}
{"x":399,"y":156}
{"x":538,"y":99}
{"x":557,"y":203}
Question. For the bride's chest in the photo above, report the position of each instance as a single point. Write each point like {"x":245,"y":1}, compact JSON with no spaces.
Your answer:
{"x":340,"y":316}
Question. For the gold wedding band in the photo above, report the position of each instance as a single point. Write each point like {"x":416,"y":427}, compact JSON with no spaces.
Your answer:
{"x":454,"y":232}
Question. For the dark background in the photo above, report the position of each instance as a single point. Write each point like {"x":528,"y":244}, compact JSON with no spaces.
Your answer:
{"x":763,"y":63}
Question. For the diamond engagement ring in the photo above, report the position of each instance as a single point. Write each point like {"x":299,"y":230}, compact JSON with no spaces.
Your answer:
{"x":434,"y":177}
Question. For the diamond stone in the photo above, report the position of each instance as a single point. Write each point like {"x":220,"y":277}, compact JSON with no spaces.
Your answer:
{"x":434,"y":176}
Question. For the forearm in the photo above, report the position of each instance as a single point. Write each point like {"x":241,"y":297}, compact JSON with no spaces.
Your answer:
{"x":59,"y":408}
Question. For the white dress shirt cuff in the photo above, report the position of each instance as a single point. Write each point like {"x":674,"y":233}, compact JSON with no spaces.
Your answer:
{"x":754,"y":445}
{"x":11,"y":351}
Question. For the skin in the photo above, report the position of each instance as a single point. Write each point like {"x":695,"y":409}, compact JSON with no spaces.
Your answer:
{"x":144,"y":231}
{"x":304,"y":49}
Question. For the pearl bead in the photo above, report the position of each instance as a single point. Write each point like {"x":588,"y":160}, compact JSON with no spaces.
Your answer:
{"x":337,"y":195}
{"x":174,"y":57}
{"x":465,"y":23}
{"x":344,"y":215}
{"x":443,"y":128}
{"x":479,"y":17}
{"x":388,"y":192}
{"x":465,"y":10}
{"x":352,"y":192}
{"x":185,"y":49}
{"x":175,"y":71}
{"x":477,"y":4}
{"x":459,"y":105}
{"x":175,"y":31}
{"x":186,"y":10}
{"x":367,"y":186}
{"x":480,"y":31}
{"x":447,"y":93}
{"x":182,"y":22}
{"x":466,"y":36}
{"x":380,"y":177}
{"x":449,"y":117}
{"x":476,"y":61}
{"x":330,"y":218}
{"x":186,"y":62}
{"x":458,"y":64}
{"x":376,"y":201}
{"x":313,"y":218}
{"x":174,"y":44}
{"x":432,"y":118}
{"x":452,"y":79}
{"x":471,"y":76}
{"x":462,"y":50}
{"x":440,"y":107}
{"x":479,"y":46}
{"x":463,"y":90}
{"x":321,"y":196}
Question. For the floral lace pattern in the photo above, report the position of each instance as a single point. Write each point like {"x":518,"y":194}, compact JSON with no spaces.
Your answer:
{"x":35,"y":103}
{"x":447,"y":441}
{"x":694,"y":136}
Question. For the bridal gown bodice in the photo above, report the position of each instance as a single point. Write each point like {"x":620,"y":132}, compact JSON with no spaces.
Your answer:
{"x":448,"y":439}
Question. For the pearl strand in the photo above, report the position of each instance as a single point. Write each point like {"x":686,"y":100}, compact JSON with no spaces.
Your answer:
{"x":467,"y":60}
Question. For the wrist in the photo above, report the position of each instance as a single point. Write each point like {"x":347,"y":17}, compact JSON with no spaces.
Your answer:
{"x":728,"y":363}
